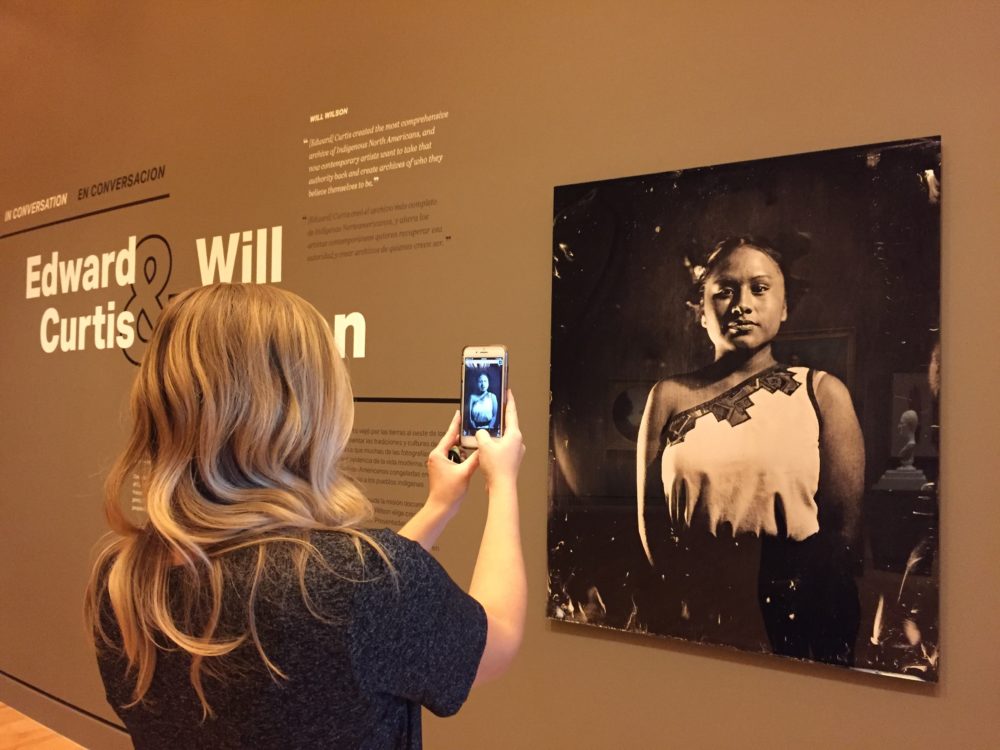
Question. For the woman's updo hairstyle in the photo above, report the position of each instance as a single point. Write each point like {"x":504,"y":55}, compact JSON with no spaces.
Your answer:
{"x":792,"y":247}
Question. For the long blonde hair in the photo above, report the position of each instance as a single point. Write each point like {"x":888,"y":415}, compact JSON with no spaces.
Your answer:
{"x":241,"y":409}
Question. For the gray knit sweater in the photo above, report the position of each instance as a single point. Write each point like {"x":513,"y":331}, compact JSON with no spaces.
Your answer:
{"x":357,"y":680}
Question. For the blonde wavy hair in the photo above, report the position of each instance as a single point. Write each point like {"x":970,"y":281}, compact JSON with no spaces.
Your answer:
{"x":241,"y":409}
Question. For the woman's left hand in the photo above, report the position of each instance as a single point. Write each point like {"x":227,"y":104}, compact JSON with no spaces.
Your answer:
{"x":447,"y":480}
{"x":447,"y":483}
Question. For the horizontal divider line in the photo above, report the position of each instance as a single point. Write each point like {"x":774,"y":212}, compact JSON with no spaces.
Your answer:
{"x":66,"y":703}
{"x":84,"y":216}
{"x":403,"y":400}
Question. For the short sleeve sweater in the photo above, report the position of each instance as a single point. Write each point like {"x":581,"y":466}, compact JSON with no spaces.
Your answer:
{"x":356,"y":677}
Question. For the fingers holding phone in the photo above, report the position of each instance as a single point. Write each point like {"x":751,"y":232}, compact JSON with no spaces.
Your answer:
{"x":448,"y":480}
{"x":500,"y":458}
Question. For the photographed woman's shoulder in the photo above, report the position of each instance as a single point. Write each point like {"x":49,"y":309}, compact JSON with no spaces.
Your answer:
{"x":677,"y":389}
{"x":831,"y":392}
{"x":664,"y":397}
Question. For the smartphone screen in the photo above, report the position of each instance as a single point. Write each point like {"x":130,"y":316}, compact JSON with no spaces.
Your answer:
{"x":484,"y":390}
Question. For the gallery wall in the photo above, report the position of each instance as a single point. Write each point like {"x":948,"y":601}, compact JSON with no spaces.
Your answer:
{"x":403,"y":158}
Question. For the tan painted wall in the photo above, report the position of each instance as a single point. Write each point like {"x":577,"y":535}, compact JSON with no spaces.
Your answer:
{"x":538,"y":95}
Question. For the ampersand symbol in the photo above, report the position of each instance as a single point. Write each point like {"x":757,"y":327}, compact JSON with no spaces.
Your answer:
{"x":153,"y":265}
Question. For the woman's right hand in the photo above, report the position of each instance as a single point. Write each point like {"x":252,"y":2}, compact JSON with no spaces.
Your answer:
{"x":499,"y":582}
{"x":500,"y":458}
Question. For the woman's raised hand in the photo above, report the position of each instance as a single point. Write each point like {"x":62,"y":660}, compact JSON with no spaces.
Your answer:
{"x":448,"y":481}
{"x":499,"y":582}
{"x":500,"y":458}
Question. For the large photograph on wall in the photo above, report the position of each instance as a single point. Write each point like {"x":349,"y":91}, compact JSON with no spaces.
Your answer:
{"x":744,"y":415}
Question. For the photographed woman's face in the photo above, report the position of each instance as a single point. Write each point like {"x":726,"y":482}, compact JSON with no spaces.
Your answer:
{"x":484,"y":384}
{"x":743,"y":304}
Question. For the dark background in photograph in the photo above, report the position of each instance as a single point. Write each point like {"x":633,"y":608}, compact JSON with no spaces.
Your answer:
{"x":870,"y":315}
{"x":495,"y":373}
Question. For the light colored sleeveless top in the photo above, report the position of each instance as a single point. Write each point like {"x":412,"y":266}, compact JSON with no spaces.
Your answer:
{"x":483,"y":408}
{"x":748,"y":458}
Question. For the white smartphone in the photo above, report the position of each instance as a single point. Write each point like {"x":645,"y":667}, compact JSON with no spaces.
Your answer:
{"x":484,"y":391}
